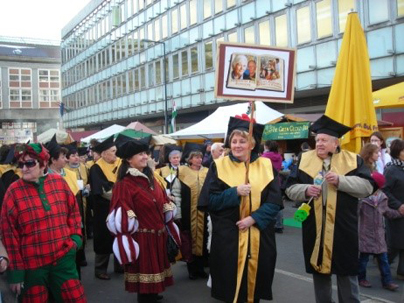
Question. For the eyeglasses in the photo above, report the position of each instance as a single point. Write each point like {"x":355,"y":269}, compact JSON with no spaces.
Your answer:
{"x":28,"y":164}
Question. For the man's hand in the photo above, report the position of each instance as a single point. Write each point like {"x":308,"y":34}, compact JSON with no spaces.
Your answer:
{"x":401,"y":209}
{"x":243,"y":190}
{"x":17,"y":287}
{"x":3,"y":264}
{"x":244,"y":224}
{"x":313,"y":191}
{"x":332,"y":178}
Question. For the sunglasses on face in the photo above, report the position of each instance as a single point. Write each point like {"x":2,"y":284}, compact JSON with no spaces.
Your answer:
{"x":28,"y":164}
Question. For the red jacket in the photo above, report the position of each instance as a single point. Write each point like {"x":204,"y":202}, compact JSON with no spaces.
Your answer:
{"x":38,"y":221}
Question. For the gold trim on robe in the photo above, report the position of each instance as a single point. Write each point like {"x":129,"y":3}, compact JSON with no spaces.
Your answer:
{"x":110,"y":170}
{"x":148,"y":278}
{"x":341,"y":164}
{"x":260,"y":175}
{"x":194,"y":179}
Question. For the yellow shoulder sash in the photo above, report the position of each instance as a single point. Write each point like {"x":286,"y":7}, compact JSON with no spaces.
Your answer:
{"x":110,"y":170}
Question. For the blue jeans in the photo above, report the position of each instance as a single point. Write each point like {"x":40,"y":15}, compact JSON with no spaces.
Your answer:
{"x":383,"y":263}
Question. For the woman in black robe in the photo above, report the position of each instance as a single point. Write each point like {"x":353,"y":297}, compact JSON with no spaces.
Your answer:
{"x":243,"y":217}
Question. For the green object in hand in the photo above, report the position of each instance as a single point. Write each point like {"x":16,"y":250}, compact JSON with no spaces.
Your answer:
{"x":302,"y":212}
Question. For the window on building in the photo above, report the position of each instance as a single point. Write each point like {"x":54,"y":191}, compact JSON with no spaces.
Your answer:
{"x":48,"y":85}
{"x":164,"y":27}
{"x":174,"y":21}
{"x":20,"y":88}
{"x":131,"y":84}
{"x":142,"y":77}
{"x":150,"y":31}
{"x":303,"y":25}
{"x":264,"y":33}
{"x":344,"y":7}
{"x":230,"y":3}
{"x":140,"y":4}
{"x":281,"y":31}
{"x":1,"y":92}
{"x":218,"y":6}
{"x":158,"y":72}
{"x":151,"y":74}
{"x":184,"y":63}
{"x":136,"y":79}
{"x":176,"y":73}
{"x":208,"y":55}
{"x":378,"y":11}
{"x":232,"y":37}
{"x":157,"y":35}
{"x":400,"y":8}
{"x":207,"y":8}
{"x":194,"y":60}
{"x":324,"y":21}
{"x":193,"y":16}
{"x":183,"y":14}
{"x":249,"y":35}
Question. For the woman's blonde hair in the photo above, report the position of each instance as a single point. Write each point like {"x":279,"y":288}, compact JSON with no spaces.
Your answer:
{"x":243,"y":134}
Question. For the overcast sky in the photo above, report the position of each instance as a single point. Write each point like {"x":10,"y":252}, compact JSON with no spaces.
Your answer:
{"x":42,"y":19}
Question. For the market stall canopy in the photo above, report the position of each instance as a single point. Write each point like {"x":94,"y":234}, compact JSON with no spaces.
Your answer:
{"x":389,"y":97}
{"x":137,"y":126}
{"x":215,"y":125}
{"x":61,"y":136}
{"x":162,"y":140}
{"x":105,"y":133}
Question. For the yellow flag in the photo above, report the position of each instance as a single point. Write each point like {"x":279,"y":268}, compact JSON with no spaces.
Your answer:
{"x":350,"y":101}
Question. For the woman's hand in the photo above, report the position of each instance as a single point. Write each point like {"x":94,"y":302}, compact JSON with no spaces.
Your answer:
{"x":3,"y":264}
{"x":245,"y":223}
{"x":17,"y":287}
{"x":243,"y":190}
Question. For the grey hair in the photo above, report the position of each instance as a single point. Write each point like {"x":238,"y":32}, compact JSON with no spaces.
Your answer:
{"x":174,"y":153}
{"x":216,"y":145}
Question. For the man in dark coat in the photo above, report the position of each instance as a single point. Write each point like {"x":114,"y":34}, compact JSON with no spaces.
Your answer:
{"x":103,"y":176}
{"x":334,"y":180}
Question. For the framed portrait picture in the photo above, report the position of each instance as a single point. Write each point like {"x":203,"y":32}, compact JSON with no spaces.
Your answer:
{"x":251,"y":72}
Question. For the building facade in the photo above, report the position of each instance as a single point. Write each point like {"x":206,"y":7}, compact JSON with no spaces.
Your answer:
{"x":30,"y":91}
{"x":113,"y":73}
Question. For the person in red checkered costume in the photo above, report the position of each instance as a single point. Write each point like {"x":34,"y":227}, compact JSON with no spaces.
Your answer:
{"x":41,"y":230}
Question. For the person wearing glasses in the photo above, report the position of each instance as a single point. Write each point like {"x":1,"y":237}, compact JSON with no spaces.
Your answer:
{"x":41,"y":231}
{"x":377,"y":139}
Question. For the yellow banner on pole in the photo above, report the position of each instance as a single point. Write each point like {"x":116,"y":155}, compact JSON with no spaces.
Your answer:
{"x":350,"y":101}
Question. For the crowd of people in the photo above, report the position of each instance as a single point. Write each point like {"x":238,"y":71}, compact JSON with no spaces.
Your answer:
{"x":219,"y":203}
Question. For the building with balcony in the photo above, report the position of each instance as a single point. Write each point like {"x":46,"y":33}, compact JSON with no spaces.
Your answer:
{"x":112,"y":73}
{"x":29,"y":87}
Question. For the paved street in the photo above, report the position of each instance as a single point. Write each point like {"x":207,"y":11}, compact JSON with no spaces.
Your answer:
{"x":291,"y":283}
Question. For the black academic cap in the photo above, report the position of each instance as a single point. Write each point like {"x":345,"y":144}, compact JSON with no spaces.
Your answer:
{"x":53,"y":147}
{"x":146,"y":139}
{"x":121,"y":139}
{"x":190,"y":147}
{"x":326,"y":125}
{"x":131,"y":147}
{"x":82,"y":151}
{"x":104,"y":145}
{"x":168,"y":148}
{"x":71,"y":148}
{"x":244,"y":125}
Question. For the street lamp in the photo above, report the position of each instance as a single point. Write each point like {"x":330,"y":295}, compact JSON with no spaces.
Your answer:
{"x":165,"y":83}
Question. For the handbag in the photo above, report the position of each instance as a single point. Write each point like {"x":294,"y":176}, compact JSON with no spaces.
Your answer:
{"x":172,"y":247}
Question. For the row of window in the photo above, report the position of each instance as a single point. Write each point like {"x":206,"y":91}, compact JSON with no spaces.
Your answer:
{"x":20,"y":91}
{"x":181,"y":16}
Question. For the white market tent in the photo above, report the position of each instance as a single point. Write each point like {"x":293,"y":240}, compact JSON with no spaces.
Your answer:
{"x":215,"y":125}
{"x":61,"y":136}
{"x":105,"y":133}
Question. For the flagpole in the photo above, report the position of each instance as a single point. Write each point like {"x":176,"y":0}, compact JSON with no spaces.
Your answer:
{"x":247,"y":164}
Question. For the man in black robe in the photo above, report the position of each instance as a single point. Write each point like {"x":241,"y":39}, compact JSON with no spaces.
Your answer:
{"x":333,"y":180}
{"x":102,"y":178}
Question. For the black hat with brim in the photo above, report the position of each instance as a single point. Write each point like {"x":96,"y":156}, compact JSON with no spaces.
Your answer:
{"x":328,"y":126}
{"x":104,"y":145}
{"x":192,"y":147}
{"x":129,"y":148}
{"x":82,"y":151}
{"x":168,"y":148}
{"x":243,"y":125}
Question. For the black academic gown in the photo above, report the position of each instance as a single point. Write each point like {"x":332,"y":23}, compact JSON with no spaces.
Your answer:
{"x":100,"y":184}
{"x":225,"y":244}
{"x":345,"y":249}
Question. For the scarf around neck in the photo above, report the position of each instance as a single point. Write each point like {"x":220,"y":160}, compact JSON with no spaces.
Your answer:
{"x":396,"y":162}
